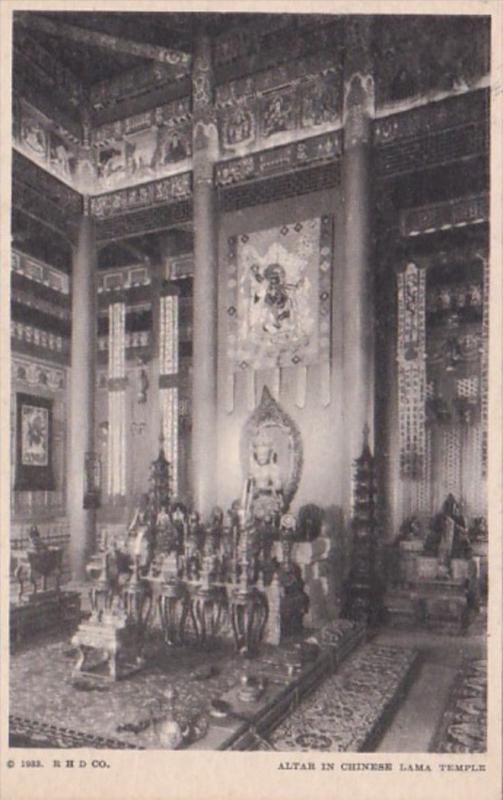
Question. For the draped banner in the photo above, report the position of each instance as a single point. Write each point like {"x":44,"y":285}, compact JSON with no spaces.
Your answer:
{"x":168,"y":377}
{"x":168,"y":401}
{"x":168,"y":337}
{"x":443,"y":425}
{"x":412,"y":370}
{"x":279,"y":304}
{"x":116,"y":472}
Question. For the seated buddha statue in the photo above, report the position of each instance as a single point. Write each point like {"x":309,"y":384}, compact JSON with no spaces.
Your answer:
{"x":448,"y":538}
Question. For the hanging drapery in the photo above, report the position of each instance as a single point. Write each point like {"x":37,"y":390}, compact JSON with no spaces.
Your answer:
{"x":279,"y":307}
{"x":168,"y":336}
{"x":411,"y":370}
{"x":116,"y":473}
{"x":116,"y":466}
{"x":168,"y":379}
{"x":168,"y":401}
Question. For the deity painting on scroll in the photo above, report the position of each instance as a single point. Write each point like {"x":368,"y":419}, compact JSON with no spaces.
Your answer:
{"x":279,"y":296}
{"x":279,"y":301}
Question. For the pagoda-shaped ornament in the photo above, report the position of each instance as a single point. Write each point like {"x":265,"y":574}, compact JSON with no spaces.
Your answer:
{"x":159,"y":480}
{"x":364,"y":590}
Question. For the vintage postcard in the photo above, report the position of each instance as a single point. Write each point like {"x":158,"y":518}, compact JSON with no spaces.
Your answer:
{"x":251,"y":400}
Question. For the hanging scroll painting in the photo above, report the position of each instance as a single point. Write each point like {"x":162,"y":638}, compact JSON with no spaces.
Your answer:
{"x":34,"y":470}
{"x":279,"y":301}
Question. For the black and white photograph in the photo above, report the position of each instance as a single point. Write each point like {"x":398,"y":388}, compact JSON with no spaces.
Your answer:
{"x":249,"y":369}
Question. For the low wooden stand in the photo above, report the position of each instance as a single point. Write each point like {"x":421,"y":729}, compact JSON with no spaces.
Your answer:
{"x":43,"y":611}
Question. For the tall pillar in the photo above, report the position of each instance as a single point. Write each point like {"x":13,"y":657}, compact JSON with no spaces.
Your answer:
{"x":81,"y":397}
{"x":204,"y":375}
{"x":358,"y":323}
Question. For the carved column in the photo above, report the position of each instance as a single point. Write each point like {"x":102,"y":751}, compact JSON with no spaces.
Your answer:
{"x":358,"y":361}
{"x":81,"y":394}
{"x":205,"y":153}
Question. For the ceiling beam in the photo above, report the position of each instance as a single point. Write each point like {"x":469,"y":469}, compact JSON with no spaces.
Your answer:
{"x":117,"y":44}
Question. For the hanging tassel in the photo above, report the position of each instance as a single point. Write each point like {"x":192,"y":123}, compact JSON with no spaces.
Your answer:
{"x":230,"y":387}
{"x":325,"y":383}
{"x":250,"y":389}
{"x":301,"y":387}
{"x":275,"y":383}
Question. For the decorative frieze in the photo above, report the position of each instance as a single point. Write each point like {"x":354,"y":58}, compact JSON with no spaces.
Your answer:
{"x":279,"y":187}
{"x":417,"y":122}
{"x":38,"y":375}
{"x":434,"y":149}
{"x":179,"y":267}
{"x":301,"y":95}
{"x":279,"y":160}
{"x":126,"y":278}
{"x":43,"y":141}
{"x":136,"y":339}
{"x":146,"y":220}
{"x":39,"y":272}
{"x":143,"y":146}
{"x":170,"y":114}
{"x":167,"y":190}
{"x":457,"y":213}
{"x":20,"y":331}
{"x":30,"y":301}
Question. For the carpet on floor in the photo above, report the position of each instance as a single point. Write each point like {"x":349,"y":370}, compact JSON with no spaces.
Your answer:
{"x":463,"y":727}
{"x":350,"y":709}
{"x":49,"y":707}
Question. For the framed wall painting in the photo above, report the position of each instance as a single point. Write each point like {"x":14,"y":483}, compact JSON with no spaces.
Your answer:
{"x":34,"y":468}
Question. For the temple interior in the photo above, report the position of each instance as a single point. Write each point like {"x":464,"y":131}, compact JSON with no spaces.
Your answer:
{"x":249,"y":357}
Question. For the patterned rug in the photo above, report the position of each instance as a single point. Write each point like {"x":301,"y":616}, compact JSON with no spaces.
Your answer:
{"x":463,"y":727}
{"x":49,"y":708}
{"x":43,"y":696}
{"x":350,"y":709}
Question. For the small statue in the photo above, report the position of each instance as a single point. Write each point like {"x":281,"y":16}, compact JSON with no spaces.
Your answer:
{"x":179,"y":520}
{"x":216,"y":527}
{"x":36,"y":545}
{"x":410,"y":530}
{"x":478,"y":530}
{"x":309,"y":522}
{"x":140,"y":535}
{"x":267,"y":534}
{"x":448,"y":537}
{"x":193,"y":547}
{"x":167,"y":535}
{"x":143,"y":384}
